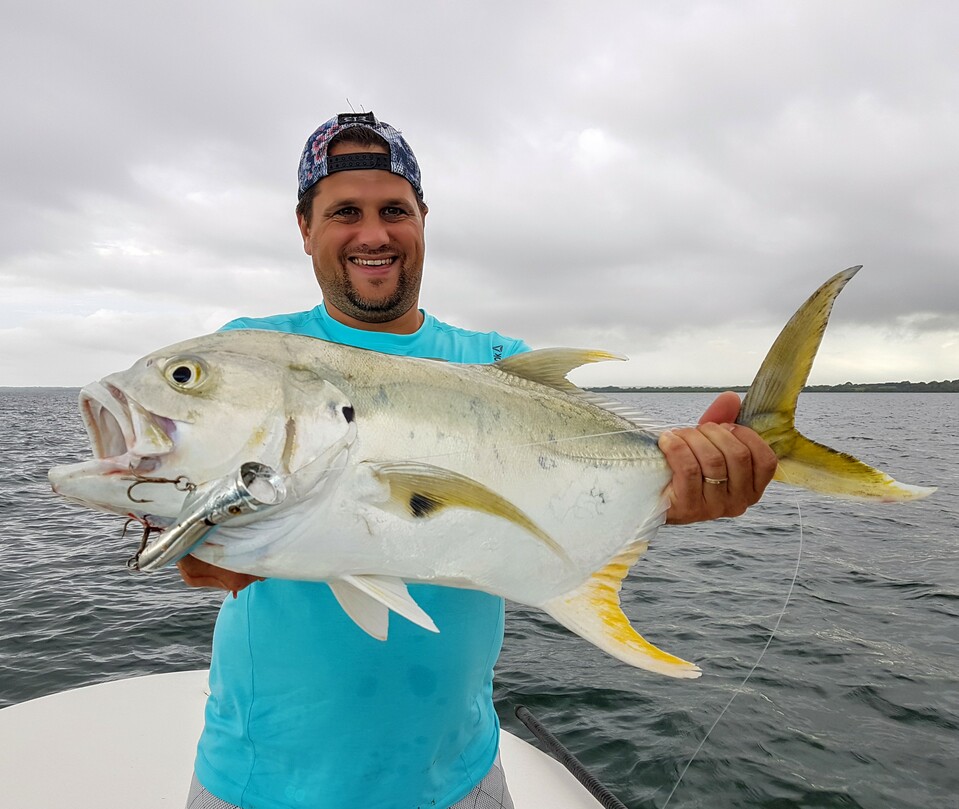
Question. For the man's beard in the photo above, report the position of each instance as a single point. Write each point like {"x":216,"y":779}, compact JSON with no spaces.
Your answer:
{"x":381,"y":310}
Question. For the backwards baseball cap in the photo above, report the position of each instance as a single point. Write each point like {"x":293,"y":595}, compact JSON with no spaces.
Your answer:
{"x":316,"y":163}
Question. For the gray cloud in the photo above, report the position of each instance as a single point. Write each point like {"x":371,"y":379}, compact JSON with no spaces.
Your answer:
{"x":636,"y":174}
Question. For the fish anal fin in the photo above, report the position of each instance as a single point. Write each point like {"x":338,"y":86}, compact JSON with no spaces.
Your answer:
{"x":368,"y":600}
{"x":420,"y":491}
{"x":549,"y":366}
{"x":593,"y":612}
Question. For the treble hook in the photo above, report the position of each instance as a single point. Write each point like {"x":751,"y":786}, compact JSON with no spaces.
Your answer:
{"x":147,"y":530}
{"x":182,"y":484}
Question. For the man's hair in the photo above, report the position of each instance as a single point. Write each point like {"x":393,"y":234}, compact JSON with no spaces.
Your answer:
{"x":359,"y":135}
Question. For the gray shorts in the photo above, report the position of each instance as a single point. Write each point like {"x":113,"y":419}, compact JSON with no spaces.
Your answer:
{"x":490,"y":793}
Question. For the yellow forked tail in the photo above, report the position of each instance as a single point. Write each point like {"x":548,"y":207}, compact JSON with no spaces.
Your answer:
{"x":770,"y":409}
{"x":593,"y":610}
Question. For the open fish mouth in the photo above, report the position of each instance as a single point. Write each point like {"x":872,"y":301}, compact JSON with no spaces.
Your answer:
{"x":123,"y":434}
{"x":129,"y":446}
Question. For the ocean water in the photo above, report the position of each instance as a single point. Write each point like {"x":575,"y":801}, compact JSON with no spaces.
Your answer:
{"x":854,"y":704}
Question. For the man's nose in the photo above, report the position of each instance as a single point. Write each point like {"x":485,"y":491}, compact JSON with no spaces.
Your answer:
{"x":372,"y":233}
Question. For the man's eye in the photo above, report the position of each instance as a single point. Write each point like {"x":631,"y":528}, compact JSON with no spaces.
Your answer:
{"x":393,"y":211}
{"x":346,"y":213}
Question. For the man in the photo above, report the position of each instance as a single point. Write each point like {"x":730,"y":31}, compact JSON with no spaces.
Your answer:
{"x":305,"y":708}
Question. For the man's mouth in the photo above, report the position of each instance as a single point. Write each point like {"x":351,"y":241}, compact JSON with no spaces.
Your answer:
{"x":384,"y":262}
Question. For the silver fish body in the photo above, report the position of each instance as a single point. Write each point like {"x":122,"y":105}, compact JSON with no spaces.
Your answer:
{"x":504,"y":478}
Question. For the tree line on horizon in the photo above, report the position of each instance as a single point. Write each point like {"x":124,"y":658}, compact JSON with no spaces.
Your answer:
{"x":945,"y":386}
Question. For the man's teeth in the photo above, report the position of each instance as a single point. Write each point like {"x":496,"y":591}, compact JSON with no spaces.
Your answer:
{"x":372,"y":262}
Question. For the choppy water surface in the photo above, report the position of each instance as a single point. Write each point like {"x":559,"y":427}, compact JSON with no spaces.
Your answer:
{"x":855,"y":704}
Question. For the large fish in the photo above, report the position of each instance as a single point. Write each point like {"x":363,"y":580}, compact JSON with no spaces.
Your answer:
{"x":286,"y":456}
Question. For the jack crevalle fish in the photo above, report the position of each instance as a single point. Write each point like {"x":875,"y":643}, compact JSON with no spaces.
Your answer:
{"x":285,"y":456}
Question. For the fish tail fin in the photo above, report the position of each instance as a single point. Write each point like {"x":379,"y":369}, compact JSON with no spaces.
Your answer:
{"x":593,"y":612}
{"x":769,"y":408}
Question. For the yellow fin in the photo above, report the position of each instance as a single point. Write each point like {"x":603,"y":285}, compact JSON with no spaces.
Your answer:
{"x":420,"y":490}
{"x":593,"y":612}
{"x":821,"y":469}
{"x":769,"y":408}
{"x":549,"y":366}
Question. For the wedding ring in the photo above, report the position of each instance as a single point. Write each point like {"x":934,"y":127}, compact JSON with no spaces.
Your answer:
{"x":716,"y":481}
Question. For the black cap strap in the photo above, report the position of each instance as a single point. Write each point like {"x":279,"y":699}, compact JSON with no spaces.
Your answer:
{"x":358,"y":160}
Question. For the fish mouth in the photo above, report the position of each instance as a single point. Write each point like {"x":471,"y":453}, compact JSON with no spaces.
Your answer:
{"x":129,"y":444}
{"x":123,"y":434}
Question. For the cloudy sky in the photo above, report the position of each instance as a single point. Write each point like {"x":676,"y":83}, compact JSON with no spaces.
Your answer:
{"x":668,"y":180}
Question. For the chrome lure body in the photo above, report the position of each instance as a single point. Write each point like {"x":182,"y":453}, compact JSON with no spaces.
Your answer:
{"x":253,"y":488}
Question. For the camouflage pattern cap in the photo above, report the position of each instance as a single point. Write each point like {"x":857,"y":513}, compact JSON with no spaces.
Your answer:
{"x":315,"y":163}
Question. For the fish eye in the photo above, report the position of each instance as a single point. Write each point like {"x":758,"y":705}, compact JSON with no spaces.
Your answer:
{"x":185,"y":373}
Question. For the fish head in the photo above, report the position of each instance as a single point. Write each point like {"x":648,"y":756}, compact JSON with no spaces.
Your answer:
{"x":196,"y":412}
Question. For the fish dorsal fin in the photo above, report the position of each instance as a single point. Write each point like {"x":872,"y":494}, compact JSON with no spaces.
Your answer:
{"x":593,"y":612}
{"x":369,"y":599}
{"x":625,"y":411}
{"x":419,"y":491}
{"x":549,"y":366}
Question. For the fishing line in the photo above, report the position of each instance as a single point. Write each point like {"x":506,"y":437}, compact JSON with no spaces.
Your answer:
{"x":742,"y":685}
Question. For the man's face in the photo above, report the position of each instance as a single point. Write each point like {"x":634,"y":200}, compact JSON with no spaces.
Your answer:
{"x":365,"y":236}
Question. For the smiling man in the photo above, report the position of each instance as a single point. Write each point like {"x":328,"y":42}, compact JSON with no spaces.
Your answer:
{"x":364,"y":230}
{"x":305,"y":709}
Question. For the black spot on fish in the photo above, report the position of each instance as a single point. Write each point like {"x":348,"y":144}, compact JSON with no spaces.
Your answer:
{"x":422,"y":505}
{"x":348,"y":413}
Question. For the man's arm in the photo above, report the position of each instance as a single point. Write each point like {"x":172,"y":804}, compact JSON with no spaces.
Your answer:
{"x":717,"y":450}
{"x":197,"y":573}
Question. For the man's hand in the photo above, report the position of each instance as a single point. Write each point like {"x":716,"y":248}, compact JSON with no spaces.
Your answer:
{"x":719,"y":468}
{"x":197,"y":573}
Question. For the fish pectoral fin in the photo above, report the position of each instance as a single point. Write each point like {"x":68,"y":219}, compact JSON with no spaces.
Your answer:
{"x":419,"y":491}
{"x":593,"y":612}
{"x":369,"y":599}
{"x":769,"y":408}
{"x":549,"y":366}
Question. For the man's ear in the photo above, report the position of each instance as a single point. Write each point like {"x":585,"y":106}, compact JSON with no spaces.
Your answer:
{"x":304,"y":227}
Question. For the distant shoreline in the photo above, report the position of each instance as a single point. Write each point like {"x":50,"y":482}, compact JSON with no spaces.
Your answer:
{"x":947,"y":386}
